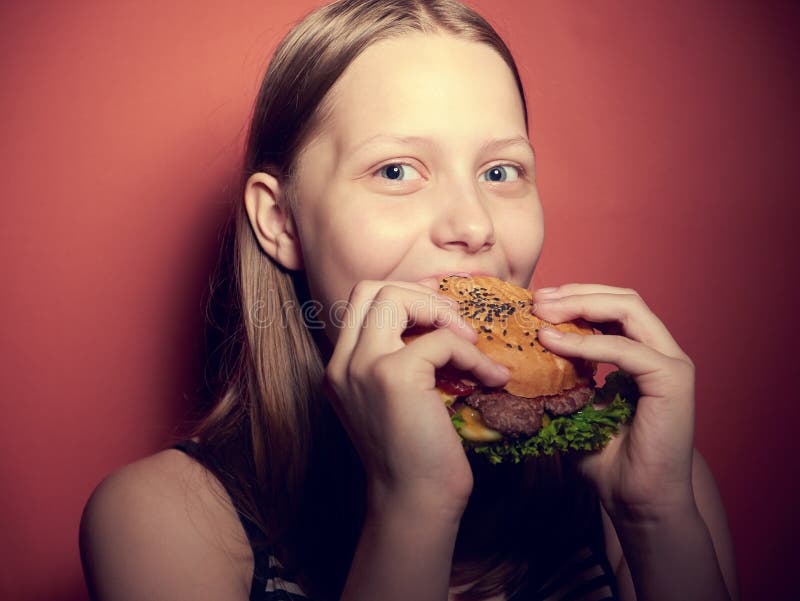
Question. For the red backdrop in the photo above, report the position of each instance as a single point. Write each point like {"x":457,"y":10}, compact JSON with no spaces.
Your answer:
{"x":665,"y":136}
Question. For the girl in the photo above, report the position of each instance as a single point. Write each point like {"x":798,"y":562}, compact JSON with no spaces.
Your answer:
{"x":389,"y":145}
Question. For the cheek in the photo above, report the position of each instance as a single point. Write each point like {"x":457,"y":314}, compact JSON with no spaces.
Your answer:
{"x":363,"y":238}
{"x":344,"y":247}
{"x":524,"y":223}
{"x":521,"y":234}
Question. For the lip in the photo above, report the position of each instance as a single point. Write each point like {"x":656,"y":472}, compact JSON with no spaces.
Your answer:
{"x":438,"y":276}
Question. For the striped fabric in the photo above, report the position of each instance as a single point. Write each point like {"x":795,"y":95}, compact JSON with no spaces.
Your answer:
{"x":278,"y":587}
{"x":585,"y":576}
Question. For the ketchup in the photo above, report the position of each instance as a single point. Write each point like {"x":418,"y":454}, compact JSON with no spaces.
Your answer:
{"x":455,"y":381}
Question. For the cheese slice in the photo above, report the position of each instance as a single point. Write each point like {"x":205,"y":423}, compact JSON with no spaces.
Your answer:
{"x":448,"y":399}
{"x":474,"y":428}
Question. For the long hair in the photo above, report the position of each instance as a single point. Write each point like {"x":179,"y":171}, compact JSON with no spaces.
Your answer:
{"x":275,"y":441}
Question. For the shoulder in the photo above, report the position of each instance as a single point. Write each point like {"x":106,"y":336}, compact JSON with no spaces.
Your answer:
{"x":164,"y":527}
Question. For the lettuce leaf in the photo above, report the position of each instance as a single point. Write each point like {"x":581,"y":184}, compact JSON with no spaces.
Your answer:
{"x":586,"y":430}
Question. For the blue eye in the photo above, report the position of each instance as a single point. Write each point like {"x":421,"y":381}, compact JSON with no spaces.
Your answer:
{"x":500,"y":173}
{"x":398,"y":172}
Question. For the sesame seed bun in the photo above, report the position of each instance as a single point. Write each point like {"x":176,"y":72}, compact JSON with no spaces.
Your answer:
{"x":507,"y":331}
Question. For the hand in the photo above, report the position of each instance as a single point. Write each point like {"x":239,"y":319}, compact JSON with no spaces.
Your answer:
{"x":384,"y":391}
{"x":645,"y":472}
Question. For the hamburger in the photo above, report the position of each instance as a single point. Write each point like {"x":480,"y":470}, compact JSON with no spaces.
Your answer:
{"x":550,"y":404}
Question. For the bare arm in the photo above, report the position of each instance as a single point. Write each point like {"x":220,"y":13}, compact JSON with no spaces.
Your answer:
{"x":405,"y":552}
{"x":684,"y":556}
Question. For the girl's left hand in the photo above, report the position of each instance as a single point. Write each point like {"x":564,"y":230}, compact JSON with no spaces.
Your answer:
{"x":645,"y":472}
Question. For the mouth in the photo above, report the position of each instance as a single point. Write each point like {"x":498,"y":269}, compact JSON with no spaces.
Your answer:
{"x":438,"y":276}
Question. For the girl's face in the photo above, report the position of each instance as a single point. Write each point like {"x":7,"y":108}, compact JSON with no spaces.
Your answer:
{"x":423,"y":167}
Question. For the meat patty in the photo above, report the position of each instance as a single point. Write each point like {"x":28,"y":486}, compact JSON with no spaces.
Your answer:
{"x":514,"y":415}
{"x":569,"y":401}
{"x":506,"y":413}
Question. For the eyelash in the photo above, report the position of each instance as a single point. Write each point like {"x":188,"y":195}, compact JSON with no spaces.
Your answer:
{"x":522,"y":171}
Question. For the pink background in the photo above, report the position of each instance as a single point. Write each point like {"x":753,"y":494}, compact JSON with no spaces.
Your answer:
{"x":665,"y":135}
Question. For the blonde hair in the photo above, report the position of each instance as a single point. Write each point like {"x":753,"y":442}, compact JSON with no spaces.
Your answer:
{"x":275,"y":441}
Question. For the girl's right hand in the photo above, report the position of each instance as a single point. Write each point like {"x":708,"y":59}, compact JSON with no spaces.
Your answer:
{"x":385,"y":395}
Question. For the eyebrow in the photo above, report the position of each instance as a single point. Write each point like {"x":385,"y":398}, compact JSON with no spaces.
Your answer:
{"x":494,"y":145}
{"x":488,"y":146}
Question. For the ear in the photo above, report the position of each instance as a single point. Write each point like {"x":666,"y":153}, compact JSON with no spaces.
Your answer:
{"x":272,"y":223}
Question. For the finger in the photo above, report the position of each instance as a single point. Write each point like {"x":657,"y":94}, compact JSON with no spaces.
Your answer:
{"x":634,"y":357}
{"x":395,"y":308}
{"x":575,"y":288}
{"x":351,"y":319}
{"x":441,"y":347}
{"x":636,"y":319}
{"x":432,"y":283}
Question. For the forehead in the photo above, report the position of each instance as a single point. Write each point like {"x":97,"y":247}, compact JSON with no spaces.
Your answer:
{"x":426,"y":84}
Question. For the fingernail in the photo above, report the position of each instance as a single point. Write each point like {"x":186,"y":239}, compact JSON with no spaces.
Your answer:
{"x":547,"y":290}
{"x":551,"y":332}
{"x":538,"y":304}
{"x":502,"y":369}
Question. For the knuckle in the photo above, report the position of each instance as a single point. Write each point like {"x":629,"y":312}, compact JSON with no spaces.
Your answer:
{"x":623,"y":345}
{"x":637,"y":299}
{"x":386,"y":296}
{"x":362,"y":288}
{"x":332,"y":382}
{"x":632,"y":304}
{"x":358,"y":289}
{"x":686,"y":367}
{"x":678,"y":366}
{"x":391,"y":290}
{"x":678,"y":375}
{"x":332,"y":372}
{"x":383,"y":370}
{"x":634,"y":298}
{"x":447,"y":336}
{"x":353,"y":371}
{"x":384,"y":292}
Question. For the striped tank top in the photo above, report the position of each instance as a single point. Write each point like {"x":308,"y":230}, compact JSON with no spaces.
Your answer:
{"x":585,"y":576}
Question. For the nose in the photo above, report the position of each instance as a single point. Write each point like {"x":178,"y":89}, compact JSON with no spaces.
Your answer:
{"x":463,"y":220}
